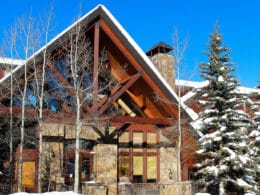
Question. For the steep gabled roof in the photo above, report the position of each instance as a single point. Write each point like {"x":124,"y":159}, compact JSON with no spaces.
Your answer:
{"x":10,"y":61}
{"x":137,"y":52}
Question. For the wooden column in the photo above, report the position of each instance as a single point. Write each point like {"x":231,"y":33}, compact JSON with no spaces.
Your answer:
{"x":145,"y":157}
{"x":158,"y":157}
{"x":131,"y":156}
{"x":95,"y":69}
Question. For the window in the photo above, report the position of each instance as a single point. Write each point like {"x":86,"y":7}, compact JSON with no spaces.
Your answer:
{"x":123,"y":166}
{"x":152,"y":169}
{"x":138,"y":169}
{"x":138,"y":156}
{"x":85,"y":165}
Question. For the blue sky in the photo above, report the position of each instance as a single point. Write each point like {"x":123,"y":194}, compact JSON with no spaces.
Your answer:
{"x":149,"y":22}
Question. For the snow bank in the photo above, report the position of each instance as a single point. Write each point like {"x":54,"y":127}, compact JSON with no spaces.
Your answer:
{"x":202,"y":194}
{"x":48,"y":193}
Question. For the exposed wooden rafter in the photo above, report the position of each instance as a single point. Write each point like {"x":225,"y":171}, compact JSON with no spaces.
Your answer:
{"x":117,"y":93}
{"x":133,"y":61}
{"x":141,"y":120}
{"x":67,"y":85}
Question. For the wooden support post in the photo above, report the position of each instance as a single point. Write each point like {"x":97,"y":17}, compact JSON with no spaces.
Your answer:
{"x":158,"y":156}
{"x":131,"y":156}
{"x":145,"y":157}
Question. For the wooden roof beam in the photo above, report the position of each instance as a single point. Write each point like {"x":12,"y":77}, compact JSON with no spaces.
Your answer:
{"x":119,"y":92}
{"x":106,"y":28}
{"x":141,"y":120}
{"x":67,"y":85}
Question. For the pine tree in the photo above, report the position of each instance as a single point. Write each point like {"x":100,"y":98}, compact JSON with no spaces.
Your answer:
{"x":255,"y":141}
{"x":223,"y":127}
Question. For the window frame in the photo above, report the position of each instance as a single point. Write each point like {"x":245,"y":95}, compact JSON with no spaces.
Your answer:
{"x":70,"y":153}
{"x":145,"y":154}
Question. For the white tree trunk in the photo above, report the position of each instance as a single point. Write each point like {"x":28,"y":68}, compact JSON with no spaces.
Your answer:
{"x":11,"y":166}
{"x":28,"y":36}
{"x":20,"y":162}
{"x":11,"y":133}
{"x":41,"y":99}
{"x":77,"y":148}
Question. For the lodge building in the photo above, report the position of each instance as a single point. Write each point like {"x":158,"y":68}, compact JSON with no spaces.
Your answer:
{"x":129,"y":114}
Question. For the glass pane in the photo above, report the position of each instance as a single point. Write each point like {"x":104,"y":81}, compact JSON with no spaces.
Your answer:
{"x":151,"y":150}
{"x":151,"y":138}
{"x":124,"y":137}
{"x":137,"y":138}
{"x":123,"y":166}
{"x":138,"y":168}
{"x":85,"y":170}
{"x":123,"y":150}
{"x":151,"y":167}
{"x":70,"y":167}
{"x":28,"y":174}
{"x":138,"y":150}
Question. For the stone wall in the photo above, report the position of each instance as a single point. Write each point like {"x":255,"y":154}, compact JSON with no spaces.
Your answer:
{"x":69,"y":131}
{"x":176,"y":188}
{"x":168,"y":164}
{"x":94,"y":189}
{"x":52,"y":163}
{"x":105,"y":166}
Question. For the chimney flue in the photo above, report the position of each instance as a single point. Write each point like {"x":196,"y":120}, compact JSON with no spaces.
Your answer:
{"x":163,"y":61}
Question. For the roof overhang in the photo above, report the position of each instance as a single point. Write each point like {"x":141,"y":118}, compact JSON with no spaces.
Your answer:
{"x":137,"y":52}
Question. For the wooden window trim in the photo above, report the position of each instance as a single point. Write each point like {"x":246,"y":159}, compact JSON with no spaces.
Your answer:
{"x":145,"y":153}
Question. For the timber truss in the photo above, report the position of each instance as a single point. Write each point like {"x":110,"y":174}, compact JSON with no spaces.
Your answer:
{"x":130,"y":101}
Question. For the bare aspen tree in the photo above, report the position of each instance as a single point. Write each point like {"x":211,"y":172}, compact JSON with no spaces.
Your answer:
{"x":178,"y":53}
{"x":26,"y":29}
{"x":77,"y":81}
{"x":12,"y":45}
{"x":79,"y":61}
{"x":39,"y":92}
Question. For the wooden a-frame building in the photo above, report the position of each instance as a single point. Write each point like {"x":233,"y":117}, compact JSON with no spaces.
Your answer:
{"x":128,"y":112}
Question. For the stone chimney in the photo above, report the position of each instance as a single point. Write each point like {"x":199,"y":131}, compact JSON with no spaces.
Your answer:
{"x":163,"y":61}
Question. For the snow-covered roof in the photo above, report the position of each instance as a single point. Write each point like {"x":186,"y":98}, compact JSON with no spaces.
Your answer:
{"x":138,"y":52}
{"x":191,"y":84}
{"x":55,"y":39}
{"x":248,"y":91}
{"x":201,"y":84}
{"x":10,"y":61}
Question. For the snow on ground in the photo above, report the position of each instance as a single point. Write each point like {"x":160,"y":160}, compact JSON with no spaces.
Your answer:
{"x":48,"y":193}
{"x":202,"y":194}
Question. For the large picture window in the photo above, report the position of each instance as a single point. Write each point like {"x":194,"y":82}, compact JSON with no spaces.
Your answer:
{"x":138,"y":156}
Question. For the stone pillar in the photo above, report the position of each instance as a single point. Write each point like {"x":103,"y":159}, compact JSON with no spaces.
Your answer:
{"x":105,"y":166}
{"x":168,"y":163}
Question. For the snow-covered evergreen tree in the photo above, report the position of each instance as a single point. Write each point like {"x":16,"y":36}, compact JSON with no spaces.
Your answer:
{"x":224,"y":161}
{"x":255,"y":140}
